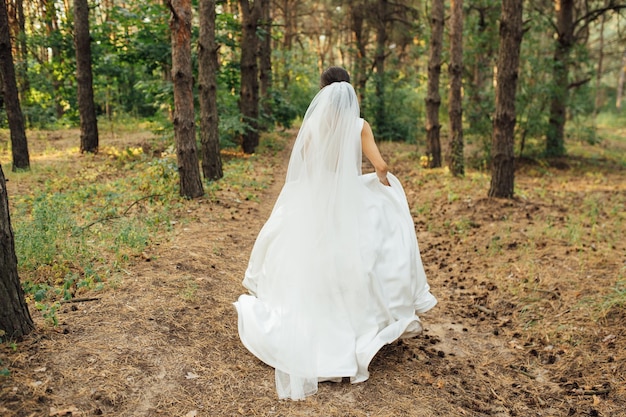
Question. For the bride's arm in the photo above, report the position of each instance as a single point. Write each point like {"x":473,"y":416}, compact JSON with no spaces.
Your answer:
{"x":372,"y":153}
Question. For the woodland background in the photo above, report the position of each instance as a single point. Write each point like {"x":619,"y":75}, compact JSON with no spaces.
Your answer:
{"x":130,"y":285}
{"x":383,"y":44}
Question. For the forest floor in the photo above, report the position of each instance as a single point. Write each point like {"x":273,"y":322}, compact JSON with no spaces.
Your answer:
{"x":530,"y":320}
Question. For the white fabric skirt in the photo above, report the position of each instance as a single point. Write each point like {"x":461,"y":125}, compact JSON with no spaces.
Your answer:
{"x":312,"y":313}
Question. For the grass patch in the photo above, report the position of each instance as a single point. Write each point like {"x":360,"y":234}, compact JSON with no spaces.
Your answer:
{"x":73,"y":231}
{"x":79,"y":220}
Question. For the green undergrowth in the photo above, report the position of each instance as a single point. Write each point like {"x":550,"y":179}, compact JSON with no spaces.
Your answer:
{"x":85,"y":218}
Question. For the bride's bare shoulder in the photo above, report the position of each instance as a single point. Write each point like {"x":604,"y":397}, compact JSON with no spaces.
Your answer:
{"x":366,"y":131}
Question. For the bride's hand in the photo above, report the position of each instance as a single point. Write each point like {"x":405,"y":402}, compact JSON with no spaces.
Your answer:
{"x":382,"y":177}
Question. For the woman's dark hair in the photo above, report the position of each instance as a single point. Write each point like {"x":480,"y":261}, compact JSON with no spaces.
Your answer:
{"x":334,"y":75}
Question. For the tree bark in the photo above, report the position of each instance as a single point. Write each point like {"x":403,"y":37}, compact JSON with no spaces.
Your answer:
{"x":207,"y":75}
{"x":380,"y":115}
{"x":555,"y":143}
{"x":433,"y":99}
{"x":249,"y":94}
{"x":290,"y":12}
{"x":600,"y":70}
{"x":15,"y":318}
{"x":360,"y":31}
{"x":290,"y":17}
{"x":455,"y":155}
{"x":21,"y":57}
{"x":84,"y":79}
{"x":482,"y":69}
{"x":265,"y":62}
{"x":19,"y":145}
{"x":502,"y":148}
{"x":53,"y":55}
{"x":184,"y":117}
{"x":620,"y":83}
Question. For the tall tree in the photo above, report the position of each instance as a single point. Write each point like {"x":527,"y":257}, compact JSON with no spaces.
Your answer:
{"x":382,"y":20}
{"x":600,"y":69}
{"x":391,"y":21}
{"x":265,"y":60}
{"x":480,"y":56}
{"x":560,"y":73}
{"x":52,"y":56}
{"x":361,"y":35}
{"x":502,"y":148}
{"x":620,"y":82}
{"x":19,"y":145}
{"x":290,"y":10}
{"x":569,"y":30}
{"x":184,"y":122}
{"x":21,"y":57}
{"x":15,"y":318}
{"x":207,"y":77}
{"x":433,"y":99}
{"x":455,"y":155}
{"x":84,"y":79}
{"x":249,"y":68}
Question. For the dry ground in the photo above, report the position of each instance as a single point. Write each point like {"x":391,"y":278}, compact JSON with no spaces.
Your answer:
{"x":525,"y":324}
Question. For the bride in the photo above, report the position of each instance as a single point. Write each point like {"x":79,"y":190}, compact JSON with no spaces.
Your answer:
{"x":335,"y":272}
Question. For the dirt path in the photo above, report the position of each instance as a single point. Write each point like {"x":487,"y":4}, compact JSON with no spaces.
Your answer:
{"x":165,"y":343}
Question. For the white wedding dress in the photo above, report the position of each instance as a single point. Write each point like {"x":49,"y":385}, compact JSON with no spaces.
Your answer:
{"x":335,"y":273}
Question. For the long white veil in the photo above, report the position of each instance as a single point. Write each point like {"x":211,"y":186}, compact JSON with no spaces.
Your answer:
{"x":335,"y":272}
{"x":314,"y":283}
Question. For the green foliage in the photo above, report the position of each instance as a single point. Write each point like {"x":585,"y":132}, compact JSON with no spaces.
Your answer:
{"x":50,"y":226}
{"x":480,"y":51}
{"x":131,"y":55}
{"x":49,"y":312}
{"x":79,"y":226}
{"x":404,"y":108}
{"x":283,"y":111}
{"x":75,"y":233}
{"x":296,"y":79}
{"x":534,"y":88}
{"x":582,"y":129}
{"x":51,"y":75}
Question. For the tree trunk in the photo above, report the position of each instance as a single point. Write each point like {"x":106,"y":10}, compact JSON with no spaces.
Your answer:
{"x":84,"y":79}
{"x":380,"y":115}
{"x":555,"y":142}
{"x":482,"y":70}
{"x":620,"y":83}
{"x":22,"y":52}
{"x":53,"y":55}
{"x":265,"y":60}
{"x":359,"y":75}
{"x":184,"y":117}
{"x":433,"y":99}
{"x":207,"y":75}
{"x":600,"y":70}
{"x":19,"y":145}
{"x":502,"y":148}
{"x":290,"y":16}
{"x":15,"y":319}
{"x":455,"y":156}
{"x":249,"y":94}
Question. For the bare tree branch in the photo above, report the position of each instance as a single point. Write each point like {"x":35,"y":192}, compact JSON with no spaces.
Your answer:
{"x":578,"y":83}
{"x":593,"y":15}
